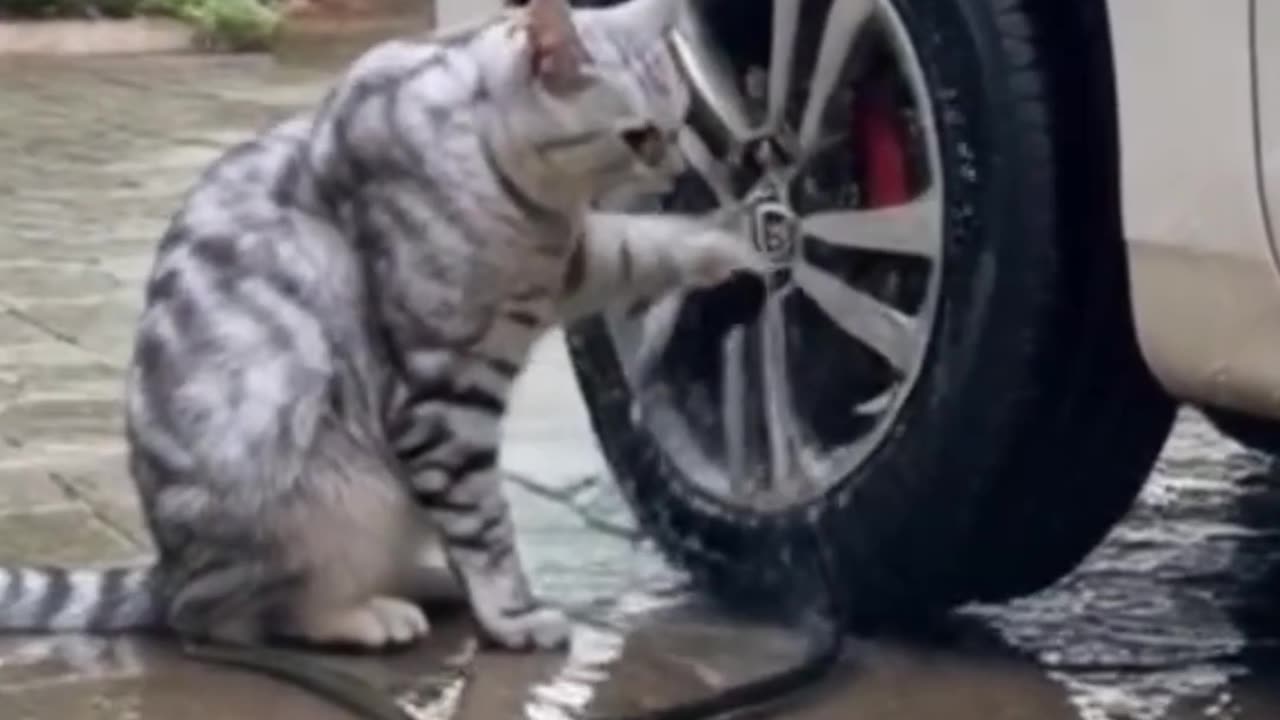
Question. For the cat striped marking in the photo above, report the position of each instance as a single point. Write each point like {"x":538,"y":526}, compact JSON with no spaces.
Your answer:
{"x":419,"y":440}
{"x":450,"y":392}
{"x":34,"y":598}
{"x":437,"y":480}
{"x":484,"y":537}
{"x":449,"y":376}
{"x":465,"y":430}
{"x":451,"y":402}
{"x":465,"y":499}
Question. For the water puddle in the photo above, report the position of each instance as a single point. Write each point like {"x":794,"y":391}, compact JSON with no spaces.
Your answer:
{"x":1177,"y":609}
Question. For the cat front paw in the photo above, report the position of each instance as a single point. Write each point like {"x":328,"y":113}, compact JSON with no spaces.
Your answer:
{"x":717,"y":255}
{"x":537,"y":627}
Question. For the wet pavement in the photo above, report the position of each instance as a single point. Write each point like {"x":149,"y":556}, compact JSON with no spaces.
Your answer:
{"x":1175,"y":617}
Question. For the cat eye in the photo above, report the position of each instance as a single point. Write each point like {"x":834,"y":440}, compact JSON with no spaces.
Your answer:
{"x":647,"y":142}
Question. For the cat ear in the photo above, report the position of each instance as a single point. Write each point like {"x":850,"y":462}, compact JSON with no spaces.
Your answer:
{"x":557,"y":49}
{"x":654,"y":18}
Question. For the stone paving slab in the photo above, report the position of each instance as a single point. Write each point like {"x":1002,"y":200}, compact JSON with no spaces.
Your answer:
{"x":96,"y":155}
{"x":93,"y":37}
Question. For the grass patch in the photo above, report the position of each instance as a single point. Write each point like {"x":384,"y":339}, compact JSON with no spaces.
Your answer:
{"x":234,"y":25}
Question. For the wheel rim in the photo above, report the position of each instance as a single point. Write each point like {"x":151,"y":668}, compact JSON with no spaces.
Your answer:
{"x":856,"y":268}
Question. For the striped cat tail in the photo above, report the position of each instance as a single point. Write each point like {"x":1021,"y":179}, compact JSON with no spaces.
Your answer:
{"x":41,"y":599}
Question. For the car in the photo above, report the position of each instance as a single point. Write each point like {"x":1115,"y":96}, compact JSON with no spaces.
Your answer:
{"x":1008,"y":238}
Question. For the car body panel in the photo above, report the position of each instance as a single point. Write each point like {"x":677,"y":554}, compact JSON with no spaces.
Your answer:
{"x":1267,"y":44}
{"x":1205,"y":283}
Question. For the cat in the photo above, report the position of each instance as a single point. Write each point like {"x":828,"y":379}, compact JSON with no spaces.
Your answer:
{"x":338,"y":309}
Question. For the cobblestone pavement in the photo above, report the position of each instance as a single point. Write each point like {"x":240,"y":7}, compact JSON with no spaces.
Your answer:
{"x":93,"y":158}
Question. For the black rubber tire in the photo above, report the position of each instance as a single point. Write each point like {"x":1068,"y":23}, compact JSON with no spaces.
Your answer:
{"x":1256,"y":433}
{"x":1007,"y":410}
{"x":1101,"y":419}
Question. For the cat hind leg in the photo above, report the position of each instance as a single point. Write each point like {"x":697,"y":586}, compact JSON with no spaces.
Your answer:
{"x":321,"y":560}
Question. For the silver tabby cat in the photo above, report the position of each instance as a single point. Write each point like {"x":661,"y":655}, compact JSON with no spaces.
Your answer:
{"x":338,"y":310}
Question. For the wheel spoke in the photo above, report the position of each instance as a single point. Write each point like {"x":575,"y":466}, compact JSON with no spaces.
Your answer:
{"x":655,"y":326}
{"x":778,"y":408}
{"x":911,"y":229}
{"x":712,"y":171}
{"x":734,"y":409}
{"x":885,"y":330}
{"x":712,"y":77}
{"x":786,"y":25}
{"x":843,"y":23}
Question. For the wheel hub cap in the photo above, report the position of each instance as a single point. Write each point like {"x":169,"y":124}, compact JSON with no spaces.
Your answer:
{"x":775,"y":230}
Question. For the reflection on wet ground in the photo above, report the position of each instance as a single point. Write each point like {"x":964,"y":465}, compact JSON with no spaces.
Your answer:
{"x":1175,"y":615}
{"x":1172,"y":618}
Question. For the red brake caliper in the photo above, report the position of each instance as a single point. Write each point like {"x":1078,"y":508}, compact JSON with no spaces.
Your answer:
{"x":880,"y":140}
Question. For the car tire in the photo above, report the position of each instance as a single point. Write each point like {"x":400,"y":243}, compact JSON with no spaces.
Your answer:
{"x":1033,"y":422}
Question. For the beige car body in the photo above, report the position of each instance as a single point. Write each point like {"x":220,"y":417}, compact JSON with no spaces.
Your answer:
{"x":1198,"y":86}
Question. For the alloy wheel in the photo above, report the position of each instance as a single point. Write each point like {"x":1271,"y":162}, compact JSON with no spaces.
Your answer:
{"x":828,"y":156}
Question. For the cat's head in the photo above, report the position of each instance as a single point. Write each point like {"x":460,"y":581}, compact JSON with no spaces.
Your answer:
{"x":596,"y":99}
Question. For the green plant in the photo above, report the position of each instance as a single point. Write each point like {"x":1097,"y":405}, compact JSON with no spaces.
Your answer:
{"x":238,"y":25}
